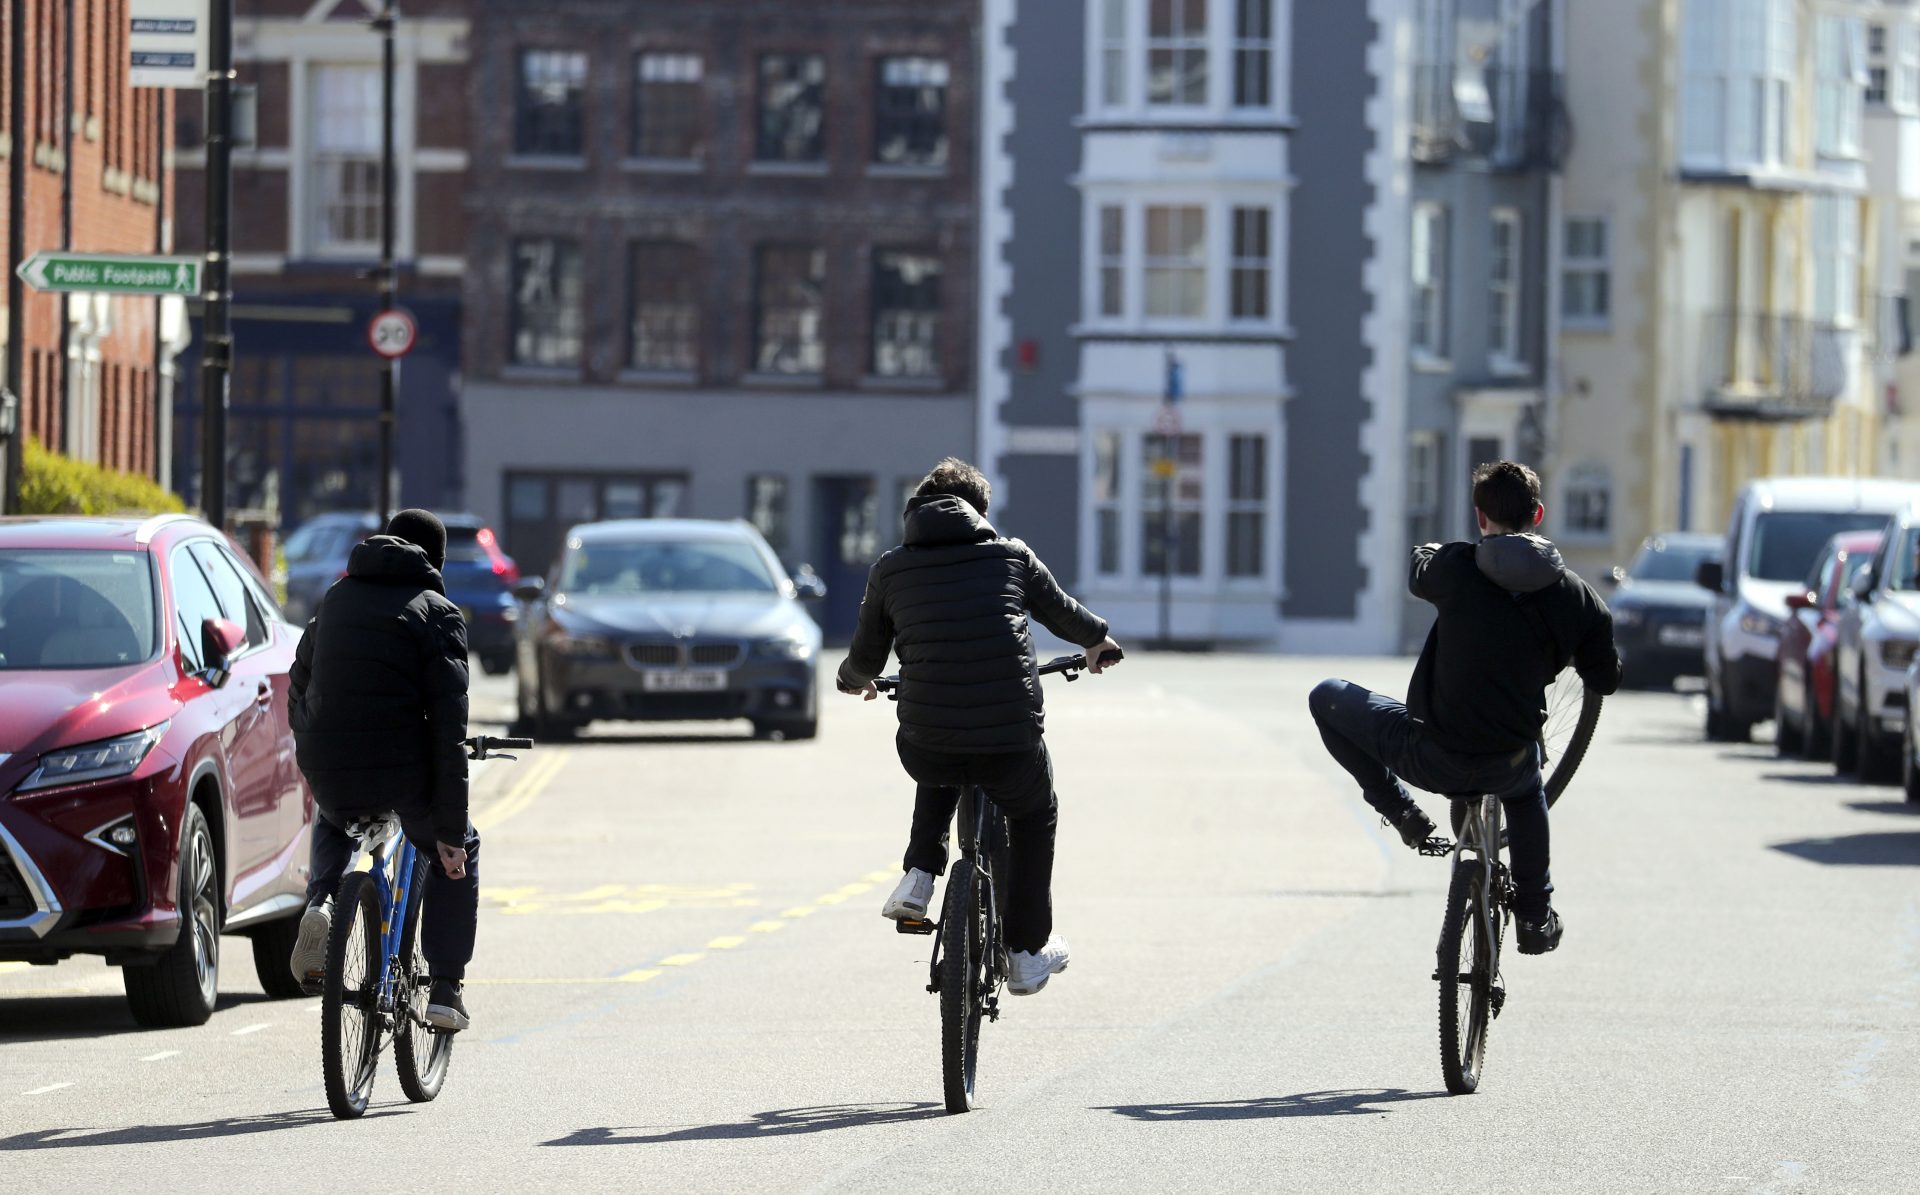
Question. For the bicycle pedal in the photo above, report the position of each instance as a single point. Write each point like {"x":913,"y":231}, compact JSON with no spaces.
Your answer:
{"x":913,"y":927}
{"x":1434,"y":848}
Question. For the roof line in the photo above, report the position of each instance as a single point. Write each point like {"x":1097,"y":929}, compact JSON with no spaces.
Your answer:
{"x":146,"y":531}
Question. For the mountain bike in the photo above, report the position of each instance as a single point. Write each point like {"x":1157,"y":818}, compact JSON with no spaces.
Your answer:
{"x":376,"y":984}
{"x":970,"y":963}
{"x":1480,"y":895}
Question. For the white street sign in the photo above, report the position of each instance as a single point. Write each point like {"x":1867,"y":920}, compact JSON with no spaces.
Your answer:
{"x":1166,"y":421}
{"x":392,"y":332}
{"x":168,"y":43}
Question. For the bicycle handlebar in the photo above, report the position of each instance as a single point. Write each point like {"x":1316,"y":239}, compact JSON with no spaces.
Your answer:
{"x":1068,"y":666}
{"x":484,"y":746}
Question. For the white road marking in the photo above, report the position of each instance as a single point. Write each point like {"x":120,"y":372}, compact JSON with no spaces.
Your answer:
{"x":162,"y":1056}
{"x":46,"y":1089}
{"x":251,"y":1029}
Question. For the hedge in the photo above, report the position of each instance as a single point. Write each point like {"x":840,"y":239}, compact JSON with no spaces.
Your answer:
{"x":51,"y":484}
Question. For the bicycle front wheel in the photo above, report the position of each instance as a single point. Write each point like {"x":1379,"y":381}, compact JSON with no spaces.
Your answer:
{"x":350,"y":997}
{"x":1469,"y":960}
{"x":421,"y":1053}
{"x":1573,"y":711}
{"x":962,"y":983}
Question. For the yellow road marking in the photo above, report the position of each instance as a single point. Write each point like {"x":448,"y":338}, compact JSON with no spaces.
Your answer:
{"x":522,"y":794}
{"x":802,"y":911}
{"x":766,"y":927}
{"x":880,"y":877}
{"x":681,"y":960}
{"x":831,"y":898}
{"x":603,"y":892}
{"x":724,"y":943}
{"x":640,"y":976}
{"x":855,"y":889}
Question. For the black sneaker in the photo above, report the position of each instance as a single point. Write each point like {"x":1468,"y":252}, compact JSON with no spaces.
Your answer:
{"x":1413,"y":826}
{"x":444,"y":1009}
{"x":1540,"y":936}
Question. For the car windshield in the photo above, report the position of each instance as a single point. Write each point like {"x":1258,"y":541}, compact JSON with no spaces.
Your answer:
{"x":62,"y":608}
{"x":665,"y":566}
{"x":1903,"y":565}
{"x":1666,"y":562}
{"x":1786,"y":542}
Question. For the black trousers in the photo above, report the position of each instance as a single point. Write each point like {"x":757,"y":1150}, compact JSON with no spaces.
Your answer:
{"x":1021,"y":784}
{"x":452,"y":911}
{"x":1380,"y":744}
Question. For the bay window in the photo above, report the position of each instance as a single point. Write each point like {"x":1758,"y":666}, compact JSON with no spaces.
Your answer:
{"x":1186,"y":487}
{"x":1737,"y":80}
{"x":1180,"y":57}
{"x":1176,"y":262}
{"x":1181,"y":263}
{"x":1200,"y":503}
{"x":1841,"y":79}
{"x":1503,"y":288}
{"x":1177,"y":53}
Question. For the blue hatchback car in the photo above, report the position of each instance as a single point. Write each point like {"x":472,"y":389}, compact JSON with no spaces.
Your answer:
{"x":479,"y":576}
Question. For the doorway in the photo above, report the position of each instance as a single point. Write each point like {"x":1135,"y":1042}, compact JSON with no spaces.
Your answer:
{"x":846,"y":541}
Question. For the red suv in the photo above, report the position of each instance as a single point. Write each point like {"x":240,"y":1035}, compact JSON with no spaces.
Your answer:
{"x":149,"y":800}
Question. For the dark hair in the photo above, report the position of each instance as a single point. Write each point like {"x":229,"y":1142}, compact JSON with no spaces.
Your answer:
{"x":1508,"y":493}
{"x":958,"y":479}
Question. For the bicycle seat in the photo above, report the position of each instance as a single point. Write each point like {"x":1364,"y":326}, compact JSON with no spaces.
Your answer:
{"x":374,"y":829}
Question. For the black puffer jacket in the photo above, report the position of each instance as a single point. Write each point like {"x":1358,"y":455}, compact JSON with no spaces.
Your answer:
{"x":379,"y":701}
{"x":953,"y":600}
{"x":1511,"y":617}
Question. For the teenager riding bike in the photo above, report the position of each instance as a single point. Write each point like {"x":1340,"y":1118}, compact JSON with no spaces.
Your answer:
{"x":953,"y":599}
{"x":1511,"y":616}
{"x":379,"y":713}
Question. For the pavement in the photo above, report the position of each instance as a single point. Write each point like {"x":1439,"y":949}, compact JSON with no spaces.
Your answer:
{"x":684,"y":985}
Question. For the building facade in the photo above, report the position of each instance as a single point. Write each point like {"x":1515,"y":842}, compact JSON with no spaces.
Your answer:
{"x":83,"y":163}
{"x":304,"y":422}
{"x":1202,"y":207}
{"x":721,"y":264}
{"x":1727,"y":310}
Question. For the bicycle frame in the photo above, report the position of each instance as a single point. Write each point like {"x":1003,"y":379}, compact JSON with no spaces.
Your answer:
{"x":1483,"y":827}
{"x":393,"y":878}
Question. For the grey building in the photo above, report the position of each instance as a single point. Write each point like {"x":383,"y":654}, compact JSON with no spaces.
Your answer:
{"x":721,"y":264}
{"x":1201,"y":201}
{"x":1487,"y":128}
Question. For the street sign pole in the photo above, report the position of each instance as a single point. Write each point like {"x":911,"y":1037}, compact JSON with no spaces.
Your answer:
{"x":216,"y":361}
{"x":15,"y":387}
{"x":390,"y":371}
{"x":1167,"y":467}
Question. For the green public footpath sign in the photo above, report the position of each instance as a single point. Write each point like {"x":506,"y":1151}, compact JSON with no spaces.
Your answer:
{"x":114,"y":274}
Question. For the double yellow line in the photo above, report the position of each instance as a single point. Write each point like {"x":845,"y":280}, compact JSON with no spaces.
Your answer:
{"x":529,"y":786}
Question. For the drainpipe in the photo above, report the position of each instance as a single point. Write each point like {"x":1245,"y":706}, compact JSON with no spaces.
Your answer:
{"x":67,"y":419}
{"x":1552,"y":379}
{"x":18,"y":137}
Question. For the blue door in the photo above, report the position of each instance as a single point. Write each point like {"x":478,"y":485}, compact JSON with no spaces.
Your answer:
{"x":846,"y":541}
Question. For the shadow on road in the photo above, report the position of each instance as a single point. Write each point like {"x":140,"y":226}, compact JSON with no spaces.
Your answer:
{"x":60,"y":1017}
{"x":1827,"y":778}
{"x":785,"y":1123}
{"x":149,"y":1134}
{"x":1888,"y":848}
{"x":1907,"y":807}
{"x":1312,"y":1103}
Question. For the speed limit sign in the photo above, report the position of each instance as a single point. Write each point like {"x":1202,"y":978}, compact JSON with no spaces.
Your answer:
{"x":392,"y":332}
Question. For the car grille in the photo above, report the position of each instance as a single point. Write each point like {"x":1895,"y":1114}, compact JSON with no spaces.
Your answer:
{"x":654,"y":655}
{"x":716,"y":654}
{"x":15,"y":900}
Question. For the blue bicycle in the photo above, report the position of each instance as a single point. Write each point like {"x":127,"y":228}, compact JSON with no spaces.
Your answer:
{"x":375,"y":990}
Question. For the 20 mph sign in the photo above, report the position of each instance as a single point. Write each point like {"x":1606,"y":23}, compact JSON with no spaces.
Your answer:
{"x":392,"y":333}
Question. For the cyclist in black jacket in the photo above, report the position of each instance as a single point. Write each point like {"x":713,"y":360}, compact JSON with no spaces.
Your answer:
{"x":379,"y":713}
{"x":953,"y":600}
{"x":1510,"y":617}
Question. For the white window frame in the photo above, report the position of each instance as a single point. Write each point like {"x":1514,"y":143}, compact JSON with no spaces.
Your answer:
{"x":1737,"y":77}
{"x":1429,"y":283}
{"x":1112,"y":501}
{"x":321,"y":167}
{"x":1504,"y":324}
{"x":1106,"y":260}
{"x":1903,"y":73}
{"x":1218,"y":255}
{"x":1426,"y":514}
{"x":1206,"y":42}
{"x":1834,"y":237}
{"x":1232,"y":505}
{"x":301,"y":183}
{"x":1117,"y":31}
{"x":1840,"y":81}
{"x":1586,"y":478}
{"x":1239,"y":44}
{"x":1598,"y":265}
{"x":1262,"y":265}
{"x":1115,"y":43}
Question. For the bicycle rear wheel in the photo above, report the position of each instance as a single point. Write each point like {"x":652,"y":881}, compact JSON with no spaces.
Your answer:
{"x":1573,"y":710}
{"x":421,"y":1053}
{"x":1469,"y":960}
{"x":349,"y":999}
{"x":962,"y":980}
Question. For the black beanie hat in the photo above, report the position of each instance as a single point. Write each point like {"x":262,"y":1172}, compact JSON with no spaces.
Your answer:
{"x":424,"y":530}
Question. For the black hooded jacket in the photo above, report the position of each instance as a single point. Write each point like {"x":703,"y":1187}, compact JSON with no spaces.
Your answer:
{"x":953,"y":600}
{"x":1511,"y":617}
{"x":379,"y":700}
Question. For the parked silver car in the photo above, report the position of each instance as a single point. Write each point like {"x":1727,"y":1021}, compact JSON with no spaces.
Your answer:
{"x":1879,"y":631}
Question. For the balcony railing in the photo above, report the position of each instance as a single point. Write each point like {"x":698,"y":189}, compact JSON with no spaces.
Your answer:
{"x":1758,"y":365}
{"x":1511,"y":119}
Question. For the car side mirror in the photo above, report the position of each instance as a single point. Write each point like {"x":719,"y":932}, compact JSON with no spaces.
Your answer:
{"x":1804,"y":600}
{"x":1710,"y":574}
{"x":1862,"y":584}
{"x":220,"y":640}
{"x":807,"y":585}
{"x":530,"y":589}
{"x":1615,"y":575}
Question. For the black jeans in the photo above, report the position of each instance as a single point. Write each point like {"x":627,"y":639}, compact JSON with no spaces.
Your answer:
{"x":452,"y":912}
{"x":1021,"y":784}
{"x":1380,"y":743}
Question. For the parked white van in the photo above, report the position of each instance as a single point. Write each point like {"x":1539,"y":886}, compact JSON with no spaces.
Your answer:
{"x":1778,"y":527}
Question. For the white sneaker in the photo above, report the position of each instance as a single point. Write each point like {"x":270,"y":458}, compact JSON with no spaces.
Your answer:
{"x":309,"y":960}
{"x":910,"y":900}
{"x":1029,"y":972}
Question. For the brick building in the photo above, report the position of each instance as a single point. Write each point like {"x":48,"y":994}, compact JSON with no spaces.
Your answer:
{"x":90,"y":152}
{"x":303,"y":429}
{"x":721,"y":264}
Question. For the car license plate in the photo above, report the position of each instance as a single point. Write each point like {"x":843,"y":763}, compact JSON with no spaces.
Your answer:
{"x":683,"y":682}
{"x":1683,"y":636}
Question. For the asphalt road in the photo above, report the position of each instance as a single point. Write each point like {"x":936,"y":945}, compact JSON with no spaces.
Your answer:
{"x":684,"y":984}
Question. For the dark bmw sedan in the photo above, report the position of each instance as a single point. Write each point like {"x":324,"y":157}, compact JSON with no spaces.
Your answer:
{"x":668,"y":620}
{"x":1660,"y":612}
